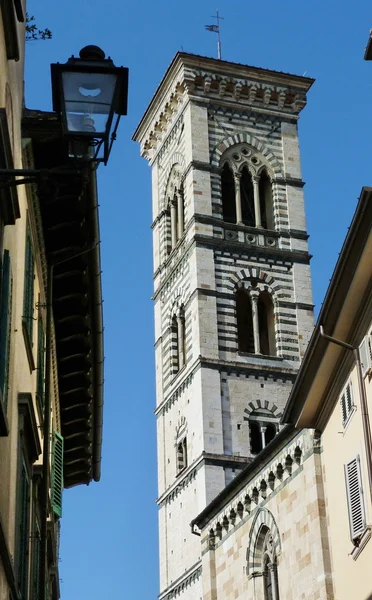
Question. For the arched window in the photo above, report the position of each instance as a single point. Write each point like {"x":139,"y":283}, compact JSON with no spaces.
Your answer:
{"x":174,"y":345}
{"x":255,"y":321}
{"x":228,"y":194}
{"x":178,"y":340}
{"x":266,"y":201}
{"x":244,"y":322}
{"x":266,"y":326}
{"x":181,"y":455}
{"x":262,"y":429}
{"x":247,"y":197}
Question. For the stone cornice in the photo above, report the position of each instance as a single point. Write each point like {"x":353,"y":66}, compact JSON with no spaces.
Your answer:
{"x":187,"y":476}
{"x":291,"y":256}
{"x":252,"y":487}
{"x":182,"y":582}
{"x":196,"y":78}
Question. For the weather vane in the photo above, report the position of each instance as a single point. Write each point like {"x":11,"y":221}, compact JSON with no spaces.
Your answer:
{"x":216,"y":29}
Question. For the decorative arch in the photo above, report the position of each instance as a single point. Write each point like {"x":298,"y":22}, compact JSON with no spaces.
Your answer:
{"x":255,"y":405}
{"x":242,"y":280}
{"x":177,"y":160}
{"x":178,"y":301}
{"x":263,"y":524}
{"x":181,"y":428}
{"x":245,"y":138}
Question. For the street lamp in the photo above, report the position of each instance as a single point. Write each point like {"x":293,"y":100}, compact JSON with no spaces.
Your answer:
{"x":89,"y":92}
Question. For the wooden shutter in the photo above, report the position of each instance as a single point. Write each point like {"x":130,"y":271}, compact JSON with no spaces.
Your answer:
{"x":5,"y":327}
{"x":355,"y":497}
{"x":57,"y":474}
{"x":40,"y":362}
{"x":28,"y":297}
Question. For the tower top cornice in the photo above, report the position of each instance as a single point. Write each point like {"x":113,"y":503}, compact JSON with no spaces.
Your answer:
{"x":193,"y":77}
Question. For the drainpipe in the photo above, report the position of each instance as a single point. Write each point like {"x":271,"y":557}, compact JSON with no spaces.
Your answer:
{"x":46,"y":433}
{"x":363,"y":402}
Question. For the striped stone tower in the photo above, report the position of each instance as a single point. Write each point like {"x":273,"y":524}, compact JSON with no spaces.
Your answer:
{"x":233,"y":303}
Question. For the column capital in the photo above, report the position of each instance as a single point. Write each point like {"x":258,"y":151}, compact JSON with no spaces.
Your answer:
{"x":237,"y":175}
{"x":256,"y":178}
{"x":254,"y":294}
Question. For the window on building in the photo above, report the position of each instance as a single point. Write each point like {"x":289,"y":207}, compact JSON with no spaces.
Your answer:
{"x":247,"y":197}
{"x":28,"y":295}
{"x":5,"y":328}
{"x":262,"y":429}
{"x":244,"y":322}
{"x":228,"y":194}
{"x":354,"y":492}
{"x":347,"y":403}
{"x":175,"y":218}
{"x":181,"y":455}
{"x":255,"y":322}
{"x":178,"y":340}
{"x":266,"y":200}
{"x":365,"y":352}
{"x":180,"y":213}
{"x":266,"y":324}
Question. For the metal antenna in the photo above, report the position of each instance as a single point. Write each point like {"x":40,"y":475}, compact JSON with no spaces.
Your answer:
{"x":216,"y":29}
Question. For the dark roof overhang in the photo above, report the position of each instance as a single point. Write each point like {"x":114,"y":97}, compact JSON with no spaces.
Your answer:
{"x":70,"y":225}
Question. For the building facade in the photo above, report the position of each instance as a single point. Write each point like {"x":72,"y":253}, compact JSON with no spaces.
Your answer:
{"x":50,"y":427}
{"x":233,"y":303}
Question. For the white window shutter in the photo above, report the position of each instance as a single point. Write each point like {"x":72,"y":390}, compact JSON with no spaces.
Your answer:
{"x":365,"y":355}
{"x":355,"y":497}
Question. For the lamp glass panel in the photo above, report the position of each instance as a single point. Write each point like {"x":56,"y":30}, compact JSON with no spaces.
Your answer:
{"x":88,"y":99}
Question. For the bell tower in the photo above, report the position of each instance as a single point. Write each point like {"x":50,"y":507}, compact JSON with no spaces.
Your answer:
{"x":232,"y":287}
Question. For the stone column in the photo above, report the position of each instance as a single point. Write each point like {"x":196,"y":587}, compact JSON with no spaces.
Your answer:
{"x":256,"y":330}
{"x":238,"y":200}
{"x":174,"y":223}
{"x":263,"y":431}
{"x":256,"y":196}
{"x":180,"y":214}
{"x":181,"y":341}
{"x":274,"y":580}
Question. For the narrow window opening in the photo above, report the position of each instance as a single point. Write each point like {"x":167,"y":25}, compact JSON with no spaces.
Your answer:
{"x":244,"y":322}
{"x":270,"y":432}
{"x":228,"y":194}
{"x":181,"y":455}
{"x":266,"y":201}
{"x":174,"y":345}
{"x":266,"y":324}
{"x":247,"y":198}
{"x":256,"y":438}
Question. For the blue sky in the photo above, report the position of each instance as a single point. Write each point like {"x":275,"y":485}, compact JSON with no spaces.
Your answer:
{"x":109,"y":530}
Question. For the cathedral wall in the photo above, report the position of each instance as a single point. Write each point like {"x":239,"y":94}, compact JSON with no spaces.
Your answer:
{"x":292,"y":510}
